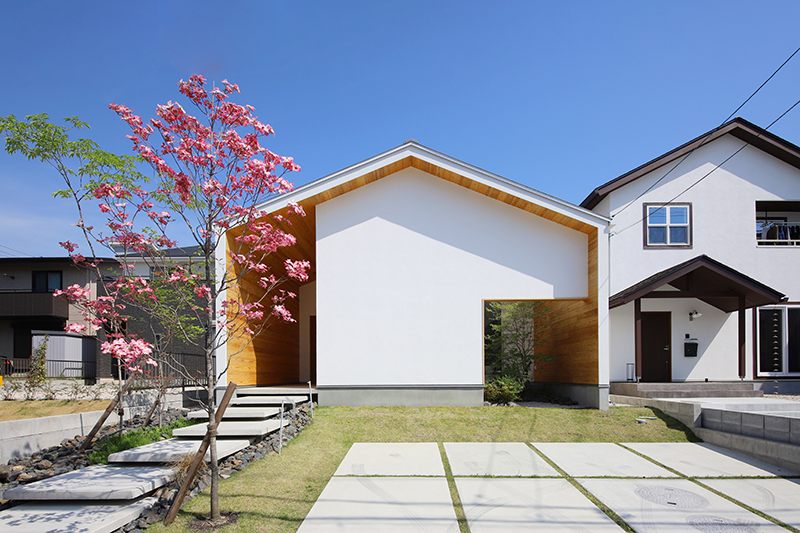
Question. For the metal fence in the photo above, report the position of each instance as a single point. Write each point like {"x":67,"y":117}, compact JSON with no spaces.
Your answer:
{"x":19,"y":368}
{"x":182,"y":370}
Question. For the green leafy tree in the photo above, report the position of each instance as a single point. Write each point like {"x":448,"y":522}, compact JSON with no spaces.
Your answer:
{"x":517,"y":333}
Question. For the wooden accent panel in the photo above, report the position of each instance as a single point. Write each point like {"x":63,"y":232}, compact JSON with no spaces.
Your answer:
{"x":572,"y":339}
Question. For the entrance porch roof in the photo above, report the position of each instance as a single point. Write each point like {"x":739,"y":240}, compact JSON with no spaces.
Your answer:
{"x":705,"y":279}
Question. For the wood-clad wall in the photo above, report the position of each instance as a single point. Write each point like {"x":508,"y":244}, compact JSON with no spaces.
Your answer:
{"x":273,"y":356}
{"x":572,"y":340}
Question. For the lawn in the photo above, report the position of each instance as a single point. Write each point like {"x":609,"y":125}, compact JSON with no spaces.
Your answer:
{"x":20,"y":409}
{"x":275,"y":494}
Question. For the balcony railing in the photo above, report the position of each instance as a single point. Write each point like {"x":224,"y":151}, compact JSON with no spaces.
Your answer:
{"x":32,"y":304}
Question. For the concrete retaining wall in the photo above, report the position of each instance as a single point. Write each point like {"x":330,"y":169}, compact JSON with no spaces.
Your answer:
{"x":19,"y":438}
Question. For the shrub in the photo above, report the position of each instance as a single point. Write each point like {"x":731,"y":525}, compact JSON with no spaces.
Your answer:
{"x":38,"y":371}
{"x":504,"y":389}
{"x":133,"y":439}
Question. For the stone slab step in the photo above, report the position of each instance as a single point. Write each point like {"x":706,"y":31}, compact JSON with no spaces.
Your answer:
{"x":267,"y":400}
{"x":255,"y":413}
{"x":232,"y":429}
{"x":70,"y":517}
{"x":98,"y":482}
{"x":171,"y":450}
{"x":272,"y":391}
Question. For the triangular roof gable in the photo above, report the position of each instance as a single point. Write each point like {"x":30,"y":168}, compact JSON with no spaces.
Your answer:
{"x":412,"y":154}
{"x":716,"y":279}
{"x":738,"y":127}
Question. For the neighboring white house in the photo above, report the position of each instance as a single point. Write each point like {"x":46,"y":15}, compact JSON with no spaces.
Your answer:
{"x":705,"y":250}
{"x":406,"y":248}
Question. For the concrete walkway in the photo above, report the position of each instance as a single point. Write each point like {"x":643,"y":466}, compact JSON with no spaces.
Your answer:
{"x":516,"y":487}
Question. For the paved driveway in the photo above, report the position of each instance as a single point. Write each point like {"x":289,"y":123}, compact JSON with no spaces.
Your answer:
{"x":508,"y":487}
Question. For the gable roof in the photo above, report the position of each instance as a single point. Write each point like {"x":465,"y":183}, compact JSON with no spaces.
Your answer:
{"x":413,"y":154}
{"x":738,"y":127}
{"x":720,"y":284}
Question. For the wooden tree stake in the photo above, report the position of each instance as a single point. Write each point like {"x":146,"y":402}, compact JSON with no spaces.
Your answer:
{"x":199,"y":457}
{"x":107,"y":413}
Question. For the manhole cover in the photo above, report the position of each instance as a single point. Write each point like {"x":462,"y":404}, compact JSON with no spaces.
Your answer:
{"x":670,"y":497}
{"x":717,"y":524}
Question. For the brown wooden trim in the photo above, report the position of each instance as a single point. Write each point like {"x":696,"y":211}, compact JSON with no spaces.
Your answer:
{"x":742,"y":336}
{"x":738,"y":127}
{"x":637,"y":335}
{"x":755,"y":341}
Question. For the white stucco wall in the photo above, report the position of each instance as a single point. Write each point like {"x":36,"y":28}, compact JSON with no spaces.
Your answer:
{"x":403,"y":267}
{"x":723,"y":228}
{"x":723,"y":213}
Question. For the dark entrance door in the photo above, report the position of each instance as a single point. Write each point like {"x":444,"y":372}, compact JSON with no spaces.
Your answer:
{"x":656,"y":347}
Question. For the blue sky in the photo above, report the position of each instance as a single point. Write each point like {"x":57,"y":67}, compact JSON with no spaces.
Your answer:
{"x":559,"y":96}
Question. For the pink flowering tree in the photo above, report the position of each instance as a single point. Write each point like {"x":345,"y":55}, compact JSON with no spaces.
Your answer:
{"x":211,"y":173}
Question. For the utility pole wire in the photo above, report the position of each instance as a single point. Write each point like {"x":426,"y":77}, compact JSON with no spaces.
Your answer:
{"x":703,"y":142}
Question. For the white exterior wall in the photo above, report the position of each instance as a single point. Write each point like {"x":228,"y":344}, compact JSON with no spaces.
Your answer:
{"x":723,"y":228}
{"x":403,"y":267}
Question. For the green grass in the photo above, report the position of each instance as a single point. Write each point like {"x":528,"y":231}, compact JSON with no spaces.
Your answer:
{"x":275,"y":494}
{"x":22,"y":409}
{"x":132,"y":439}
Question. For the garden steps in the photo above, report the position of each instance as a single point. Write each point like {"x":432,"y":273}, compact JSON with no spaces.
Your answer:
{"x":255,"y":412}
{"x":172,"y":450}
{"x":86,"y":517}
{"x":97,"y":482}
{"x":233,"y":429}
{"x":267,"y":401}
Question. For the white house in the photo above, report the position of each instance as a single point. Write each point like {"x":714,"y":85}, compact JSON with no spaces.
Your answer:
{"x":704,"y":249}
{"x":406,"y":248}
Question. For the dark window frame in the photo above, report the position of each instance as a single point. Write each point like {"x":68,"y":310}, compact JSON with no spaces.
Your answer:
{"x":667,"y":246}
{"x":41,"y":284}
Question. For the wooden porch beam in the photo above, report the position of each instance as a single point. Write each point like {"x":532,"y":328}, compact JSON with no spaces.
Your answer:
{"x":691,"y":294}
{"x":741,"y":317}
{"x":637,"y":335}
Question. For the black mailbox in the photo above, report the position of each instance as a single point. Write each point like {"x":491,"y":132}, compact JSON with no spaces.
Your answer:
{"x":690,"y":348}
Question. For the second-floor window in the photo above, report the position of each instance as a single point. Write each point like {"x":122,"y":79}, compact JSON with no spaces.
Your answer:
{"x":46,"y":281}
{"x":668,"y":225}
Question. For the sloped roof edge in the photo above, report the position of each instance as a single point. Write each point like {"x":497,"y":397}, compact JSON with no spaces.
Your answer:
{"x":738,"y":127}
{"x":412,"y":148}
{"x":659,"y":279}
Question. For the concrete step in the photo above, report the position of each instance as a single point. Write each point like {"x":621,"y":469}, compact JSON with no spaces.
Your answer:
{"x":254,"y":413}
{"x":273,"y":391}
{"x":701,"y":394}
{"x":232,"y":429}
{"x":701,"y":386}
{"x":264,"y":401}
{"x":172,"y":450}
{"x":98,"y":482}
{"x":71,"y":517}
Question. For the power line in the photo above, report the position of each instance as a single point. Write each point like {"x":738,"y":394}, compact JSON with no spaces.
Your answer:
{"x":703,"y":141}
{"x":13,"y":250}
{"x":707,"y":174}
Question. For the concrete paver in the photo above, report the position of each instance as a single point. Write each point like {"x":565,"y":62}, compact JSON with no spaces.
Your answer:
{"x":705,"y":460}
{"x":98,"y":482}
{"x":674,"y":505}
{"x":778,"y":498}
{"x":49,"y":517}
{"x":268,"y":401}
{"x":171,"y":450}
{"x":496,"y":459}
{"x":255,"y":412}
{"x":253,"y":428}
{"x":392,"y":459}
{"x":590,"y":459}
{"x":525,"y":504}
{"x":385,"y":504}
